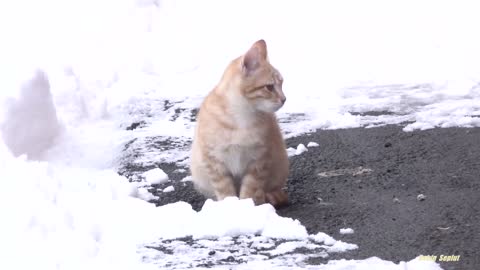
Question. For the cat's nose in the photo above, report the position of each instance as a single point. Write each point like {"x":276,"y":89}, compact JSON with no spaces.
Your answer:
{"x":283,"y":100}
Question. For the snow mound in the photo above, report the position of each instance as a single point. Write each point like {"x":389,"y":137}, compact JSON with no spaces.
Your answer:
{"x":30,"y":123}
{"x":233,"y":217}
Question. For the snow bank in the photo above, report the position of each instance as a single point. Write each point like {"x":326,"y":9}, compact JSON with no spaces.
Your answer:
{"x":65,"y":218}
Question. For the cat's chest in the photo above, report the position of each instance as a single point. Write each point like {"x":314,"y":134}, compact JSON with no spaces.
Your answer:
{"x":241,"y":150}
{"x":237,"y":158}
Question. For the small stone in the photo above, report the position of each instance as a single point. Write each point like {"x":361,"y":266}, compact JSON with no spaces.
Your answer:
{"x":212,"y":252}
{"x":396,"y":200}
{"x":421,"y":197}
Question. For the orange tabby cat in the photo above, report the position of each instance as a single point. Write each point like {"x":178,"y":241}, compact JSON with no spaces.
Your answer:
{"x":238,"y":149}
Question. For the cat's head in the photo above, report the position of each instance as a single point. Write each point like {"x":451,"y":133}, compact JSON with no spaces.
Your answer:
{"x":260,"y":83}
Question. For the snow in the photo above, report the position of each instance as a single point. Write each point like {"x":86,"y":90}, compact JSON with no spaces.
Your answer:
{"x":297,"y":151}
{"x":291,"y":151}
{"x":34,"y":105}
{"x":187,"y":178}
{"x":300,"y":149}
{"x":346,"y":231}
{"x":234,"y":217}
{"x":169,"y":189}
{"x":71,"y":86}
{"x":323,"y":237}
{"x":155,"y":176}
{"x":144,"y":194}
{"x":286,"y":247}
{"x":312,"y":144}
{"x":66,"y":217}
{"x":340,"y":246}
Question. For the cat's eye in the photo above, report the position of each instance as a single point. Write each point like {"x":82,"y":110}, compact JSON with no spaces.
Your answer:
{"x":270,"y":87}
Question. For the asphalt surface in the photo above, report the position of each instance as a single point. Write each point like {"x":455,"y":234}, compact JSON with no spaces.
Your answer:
{"x":382,"y":204}
{"x":404,"y":193}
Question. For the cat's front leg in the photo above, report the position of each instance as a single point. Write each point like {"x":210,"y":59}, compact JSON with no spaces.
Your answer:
{"x":223,"y":186}
{"x":253,"y":187}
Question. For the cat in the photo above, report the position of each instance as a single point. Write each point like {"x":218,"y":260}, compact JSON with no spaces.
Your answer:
{"x":238,"y":149}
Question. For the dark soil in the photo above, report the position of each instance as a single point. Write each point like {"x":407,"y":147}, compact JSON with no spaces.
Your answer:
{"x":381,"y":201}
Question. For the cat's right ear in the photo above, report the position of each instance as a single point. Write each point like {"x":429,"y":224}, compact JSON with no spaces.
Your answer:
{"x":254,"y":56}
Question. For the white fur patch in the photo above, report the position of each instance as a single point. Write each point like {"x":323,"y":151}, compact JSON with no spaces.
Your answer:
{"x":237,"y":159}
{"x":268,"y":106}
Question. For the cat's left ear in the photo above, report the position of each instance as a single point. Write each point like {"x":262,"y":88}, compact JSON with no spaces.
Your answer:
{"x":254,"y":56}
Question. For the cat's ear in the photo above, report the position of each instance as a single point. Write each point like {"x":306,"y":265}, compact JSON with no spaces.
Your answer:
{"x":254,"y":56}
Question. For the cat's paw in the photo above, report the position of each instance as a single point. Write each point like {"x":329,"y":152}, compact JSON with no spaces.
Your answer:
{"x":277,"y":198}
{"x":258,"y":195}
